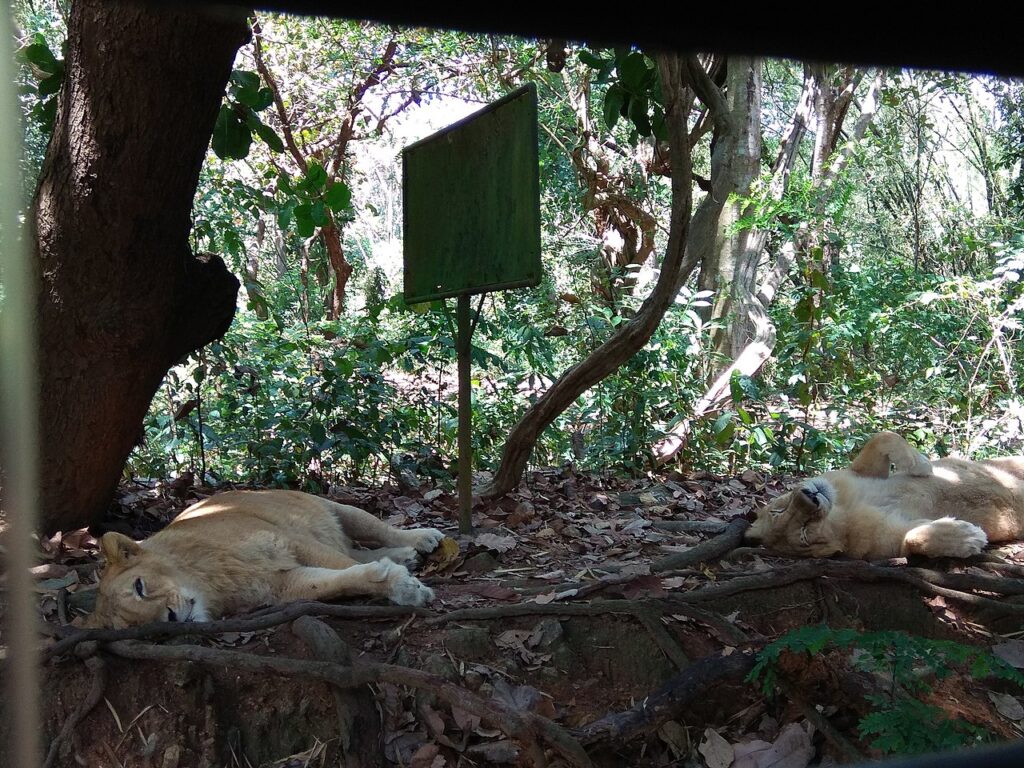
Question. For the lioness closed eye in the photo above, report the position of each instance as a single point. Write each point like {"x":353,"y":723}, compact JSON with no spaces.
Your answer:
{"x":944,"y":508}
{"x":238,"y":550}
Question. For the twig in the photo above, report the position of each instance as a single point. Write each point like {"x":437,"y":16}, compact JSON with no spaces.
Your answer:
{"x":98,"y":668}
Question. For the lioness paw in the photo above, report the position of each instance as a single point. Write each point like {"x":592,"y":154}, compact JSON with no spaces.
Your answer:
{"x":945,"y":537}
{"x":404,"y":555}
{"x":426,"y":539}
{"x":403,"y":588}
{"x":819,"y":494}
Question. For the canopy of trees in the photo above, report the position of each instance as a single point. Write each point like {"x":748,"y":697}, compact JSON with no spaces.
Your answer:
{"x":850,"y":261}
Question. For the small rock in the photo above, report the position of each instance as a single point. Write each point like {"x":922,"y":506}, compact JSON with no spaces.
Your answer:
{"x":469,"y":642}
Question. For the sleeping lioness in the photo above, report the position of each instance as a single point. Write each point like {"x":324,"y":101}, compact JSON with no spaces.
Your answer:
{"x":946,"y":508}
{"x":239,"y":550}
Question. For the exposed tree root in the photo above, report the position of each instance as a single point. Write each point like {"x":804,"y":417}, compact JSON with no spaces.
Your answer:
{"x":262,"y":619}
{"x":526,"y":728}
{"x":98,"y":667}
{"x":725,"y":542}
{"x":359,"y":731}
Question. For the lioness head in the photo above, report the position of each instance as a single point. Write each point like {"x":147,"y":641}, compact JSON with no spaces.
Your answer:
{"x":796,"y":523}
{"x":138,"y":586}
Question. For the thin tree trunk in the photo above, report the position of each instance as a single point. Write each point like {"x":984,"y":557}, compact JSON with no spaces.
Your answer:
{"x":677,"y":76}
{"x":339,"y":265}
{"x":122,"y":297}
{"x":728,"y":260}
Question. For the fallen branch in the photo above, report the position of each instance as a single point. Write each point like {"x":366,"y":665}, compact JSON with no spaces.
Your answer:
{"x":731,"y":538}
{"x":690,"y":526}
{"x":524,"y":727}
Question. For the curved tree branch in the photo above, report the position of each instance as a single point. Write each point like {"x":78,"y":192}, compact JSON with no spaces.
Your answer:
{"x":631,"y":337}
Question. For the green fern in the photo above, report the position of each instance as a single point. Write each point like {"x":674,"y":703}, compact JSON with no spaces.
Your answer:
{"x":900,"y":723}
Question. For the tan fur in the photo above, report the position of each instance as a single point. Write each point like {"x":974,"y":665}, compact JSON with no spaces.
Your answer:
{"x":945,"y":508}
{"x":238,"y":550}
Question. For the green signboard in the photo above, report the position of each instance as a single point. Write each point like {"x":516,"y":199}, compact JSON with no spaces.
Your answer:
{"x":471,"y":201}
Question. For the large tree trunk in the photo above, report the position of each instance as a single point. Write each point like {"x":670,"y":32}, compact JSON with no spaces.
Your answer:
{"x":122,"y":297}
{"x":680,"y":77}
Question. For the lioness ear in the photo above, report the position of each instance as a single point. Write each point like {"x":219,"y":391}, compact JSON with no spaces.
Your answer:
{"x":118,"y":548}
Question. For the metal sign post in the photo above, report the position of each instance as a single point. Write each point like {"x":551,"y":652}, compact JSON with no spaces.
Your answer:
{"x":463,"y":346}
{"x":471,"y":210}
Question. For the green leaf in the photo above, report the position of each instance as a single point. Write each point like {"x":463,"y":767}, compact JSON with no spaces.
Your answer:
{"x":40,"y":55}
{"x":635,"y":74}
{"x":247,"y":95}
{"x":284,"y":216}
{"x":304,"y":220}
{"x":658,"y":125}
{"x":232,"y":242}
{"x":266,"y":98}
{"x":316,"y":176}
{"x":245,"y":79}
{"x":724,"y":427}
{"x":50,"y":85}
{"x":318,"y":212}
{"x":45,"y":113}
{"x":269,"y":136}
{"x":614,"y":102}
{"x":338,"y":196}
{"x":638,"y":114}
{"x":591,"y":60}
{"x":231,"y":137}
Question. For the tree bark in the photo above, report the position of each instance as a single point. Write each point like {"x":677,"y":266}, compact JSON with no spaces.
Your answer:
{"x":121,"y":296}
{"x":728,"y":265}
{"x":677,"y":79}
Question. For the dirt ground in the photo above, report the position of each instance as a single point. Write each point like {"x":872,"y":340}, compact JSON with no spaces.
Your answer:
{"x":550,"y":613}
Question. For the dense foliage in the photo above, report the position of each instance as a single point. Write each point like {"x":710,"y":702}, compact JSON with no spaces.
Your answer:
{"x":912,"y":323}
{"x":898,"y":720}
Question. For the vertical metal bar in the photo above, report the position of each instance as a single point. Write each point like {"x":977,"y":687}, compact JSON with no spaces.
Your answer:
{"x":17,"y":425}
{"x":465,"y":416}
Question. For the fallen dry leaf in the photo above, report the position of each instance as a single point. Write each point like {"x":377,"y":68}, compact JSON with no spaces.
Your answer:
{"x":447,"y":552}
{"x":1012,"y":652}
{"x":496,"y":542}
{"x":792,"y":749}
{"x":1008,"y":706}
{"x":717,"y":752}
{"x":675,"y":737}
